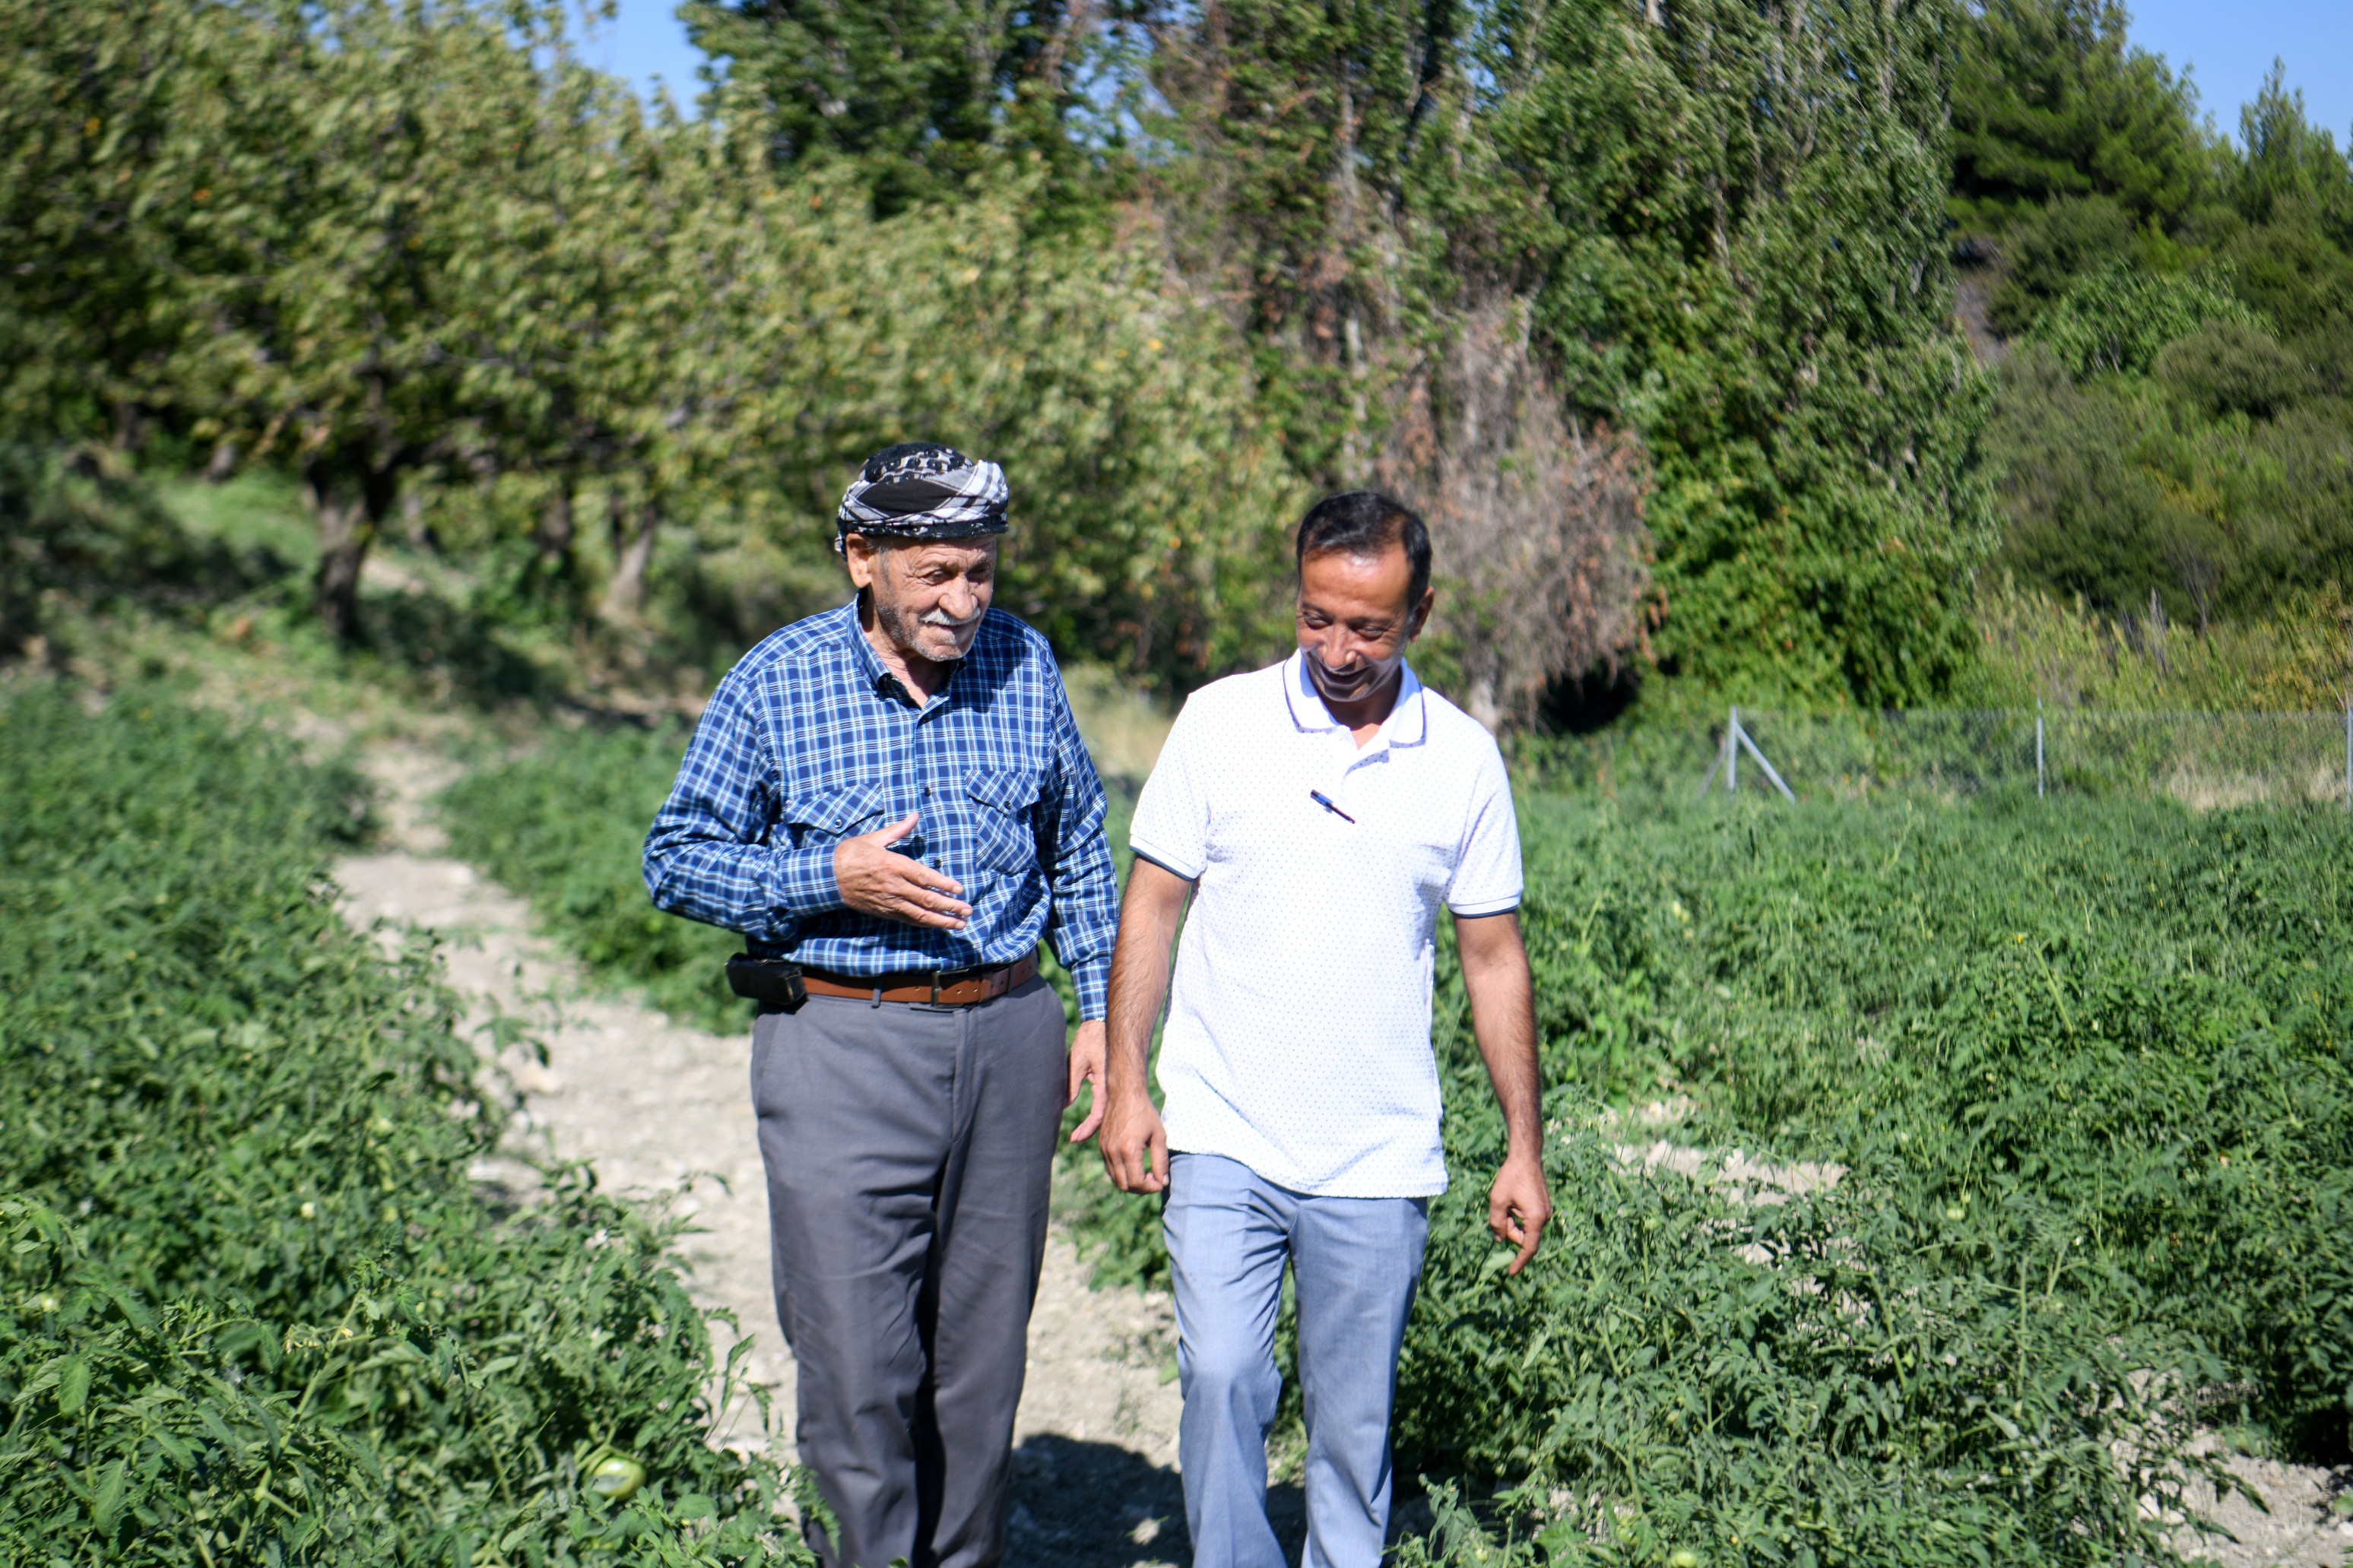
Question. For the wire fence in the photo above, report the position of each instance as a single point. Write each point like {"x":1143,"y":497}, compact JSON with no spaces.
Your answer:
{"x":2204,"y":760}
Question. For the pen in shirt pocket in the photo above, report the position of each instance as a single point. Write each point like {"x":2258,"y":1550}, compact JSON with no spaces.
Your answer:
{"x":1325,"y":801}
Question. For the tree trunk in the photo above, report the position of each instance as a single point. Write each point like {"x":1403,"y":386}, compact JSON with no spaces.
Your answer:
{"x":344,"y":535}
{"x":223,"y":464}
{"x":349,"y":514}
{"x":633,"y":548}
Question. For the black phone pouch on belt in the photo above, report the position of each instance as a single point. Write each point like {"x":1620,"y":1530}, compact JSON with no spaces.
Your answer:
{"x":774,"y":983}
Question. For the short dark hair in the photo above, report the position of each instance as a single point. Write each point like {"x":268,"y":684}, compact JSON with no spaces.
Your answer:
{"x":1365,"y":524}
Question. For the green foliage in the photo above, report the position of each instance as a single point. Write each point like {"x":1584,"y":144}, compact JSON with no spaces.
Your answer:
{"x":2198,"y":298}
{"x":1850,"y":1377}
{"x":2230,"y":365}
{"x":2289,"y":162}
{"x":919,"y":95}
{"x":79,"y":526}
{"x":2297,"y":658}
{"x":1727,"y":219}
{"x":2120,"y":319}
{"x":1751,"y":266}
{"x":420,"y":254}
{"x":2045,"y":252}
{"x":564,"y":826}
{"x":1178,"y":267}
{"x":255,"y":1299}
{"x":2047,"y":1114}
{"x":2051,"y":101}
{"x":2124,"y":485}
{"x":2120,"y":1015}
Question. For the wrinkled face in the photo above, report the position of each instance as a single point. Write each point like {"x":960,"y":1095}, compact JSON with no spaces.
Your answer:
{"x":929,"y":598}
{"x":1355,"y":617}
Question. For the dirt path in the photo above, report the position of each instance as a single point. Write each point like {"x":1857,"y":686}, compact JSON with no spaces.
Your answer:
{"x":659,"y":1109}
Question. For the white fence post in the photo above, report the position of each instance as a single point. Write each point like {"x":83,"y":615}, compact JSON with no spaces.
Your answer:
{"x":1732,"y":752}
{"x":1747,"y":739}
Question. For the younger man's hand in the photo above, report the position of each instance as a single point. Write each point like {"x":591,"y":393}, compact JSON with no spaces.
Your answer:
{"x":1134,"y":1145}
{"x":1518,"y":1208}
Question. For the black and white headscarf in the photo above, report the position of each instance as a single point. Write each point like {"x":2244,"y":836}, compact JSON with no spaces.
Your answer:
{"x":922,"y":490}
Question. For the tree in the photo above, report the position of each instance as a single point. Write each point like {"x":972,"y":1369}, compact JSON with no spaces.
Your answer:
{"x":916,"y":93}
{"x":1748,"y":267}
{"x":2290,"y":160}
{"x":304,"y":230}
{"x":2050,"y":100}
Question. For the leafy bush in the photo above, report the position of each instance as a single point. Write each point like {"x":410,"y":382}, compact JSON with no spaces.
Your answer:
{"x":257,"y":1308}
{"x":2122,"y":485}
{"x":76,"y":524}
{"x":564,"y":827}
{"x":2229,"y":367}
{"x":1855,"y":1377}
{"x":2110,"y":1011}
{"x":2121,"y":318}
{"x":2087,"y":1068}
{"x":2046,"y":256}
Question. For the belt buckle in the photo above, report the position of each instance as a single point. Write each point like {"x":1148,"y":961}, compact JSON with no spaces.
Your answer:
{"x":954,"y":977}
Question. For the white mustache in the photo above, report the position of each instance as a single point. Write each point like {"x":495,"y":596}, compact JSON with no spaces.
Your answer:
{"x":947,"y":622}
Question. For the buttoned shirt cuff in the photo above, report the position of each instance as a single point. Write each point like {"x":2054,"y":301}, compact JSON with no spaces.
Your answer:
{"x":800,"y":881}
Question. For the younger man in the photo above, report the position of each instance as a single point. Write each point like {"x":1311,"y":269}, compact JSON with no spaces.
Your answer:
{"x":1319,"y":813}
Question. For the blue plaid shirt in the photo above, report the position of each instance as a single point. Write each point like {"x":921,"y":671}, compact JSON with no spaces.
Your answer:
{"x":809,"y":740}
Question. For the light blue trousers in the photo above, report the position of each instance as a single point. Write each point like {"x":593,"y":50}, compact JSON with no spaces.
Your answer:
{"x":1355,"y":1262}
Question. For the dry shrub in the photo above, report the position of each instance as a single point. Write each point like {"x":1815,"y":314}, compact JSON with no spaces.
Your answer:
{"x":1537,"y":524}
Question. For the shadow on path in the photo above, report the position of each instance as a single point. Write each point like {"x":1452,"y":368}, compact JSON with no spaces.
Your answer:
{"x":1097,"y":1505}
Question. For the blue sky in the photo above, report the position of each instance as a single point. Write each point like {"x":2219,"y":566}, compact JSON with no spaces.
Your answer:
{"x":2229,"y":44}
{"x":645,"y":44}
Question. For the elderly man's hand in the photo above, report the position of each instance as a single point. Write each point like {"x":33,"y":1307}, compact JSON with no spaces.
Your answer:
{"x":875,"y":880}
{"x":1087,"y":1068}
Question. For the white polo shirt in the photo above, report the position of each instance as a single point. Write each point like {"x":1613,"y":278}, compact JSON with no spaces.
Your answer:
{"x":1298,"y":1033}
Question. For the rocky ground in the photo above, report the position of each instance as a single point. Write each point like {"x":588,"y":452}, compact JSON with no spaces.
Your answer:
{"x":665,"y":1112}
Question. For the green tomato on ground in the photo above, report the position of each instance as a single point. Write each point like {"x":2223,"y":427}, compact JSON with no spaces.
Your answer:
{"x":616,"y":1477}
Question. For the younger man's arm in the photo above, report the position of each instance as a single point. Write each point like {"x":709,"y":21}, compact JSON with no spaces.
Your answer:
{"x":1134,"y":1144}
{"x":1504,"y":1018}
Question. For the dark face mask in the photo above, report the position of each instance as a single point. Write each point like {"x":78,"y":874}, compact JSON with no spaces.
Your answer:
{"x":1350,"y":685}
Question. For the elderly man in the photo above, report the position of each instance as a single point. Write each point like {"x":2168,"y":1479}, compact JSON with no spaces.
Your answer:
{"x":891,"y":802}
{"x":1319,"y":814}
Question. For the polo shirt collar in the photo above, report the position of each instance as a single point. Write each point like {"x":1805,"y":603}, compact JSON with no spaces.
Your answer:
{"x":1407,"y":725}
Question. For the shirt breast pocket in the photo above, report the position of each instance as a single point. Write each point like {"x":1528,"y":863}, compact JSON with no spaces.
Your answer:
{"x":1422,"y":846}
{"x":1001,"y":800}
{"x":831,"y":813}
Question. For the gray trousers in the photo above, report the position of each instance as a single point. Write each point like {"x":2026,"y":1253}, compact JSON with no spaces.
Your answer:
{"x":908,"y":1152}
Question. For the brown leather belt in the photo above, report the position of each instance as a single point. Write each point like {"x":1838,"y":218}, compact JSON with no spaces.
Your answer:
{"x":940,"y":988}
